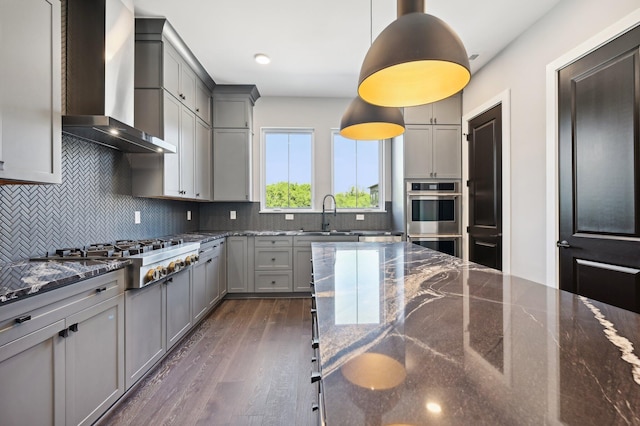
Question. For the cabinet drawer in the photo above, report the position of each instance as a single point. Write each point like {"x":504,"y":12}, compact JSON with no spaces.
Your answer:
{"x":273,"y":281}
{"x":273,"y":258}
{"x":274,"y":241}
{"x":31,"y":314}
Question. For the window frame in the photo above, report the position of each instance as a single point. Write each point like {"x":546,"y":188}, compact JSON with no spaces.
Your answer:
{"x":263,"y":168}
{"x":381,"y":173}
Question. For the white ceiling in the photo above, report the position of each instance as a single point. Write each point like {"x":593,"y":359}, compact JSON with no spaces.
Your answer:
{"x":317,"y":47}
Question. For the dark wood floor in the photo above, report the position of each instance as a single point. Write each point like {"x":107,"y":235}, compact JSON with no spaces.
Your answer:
{"x":248,"y":363}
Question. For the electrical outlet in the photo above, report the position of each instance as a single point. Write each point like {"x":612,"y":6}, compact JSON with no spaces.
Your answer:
{"x":232,"y":215}
{"x":188,"y":214}
{"x":136,"y":217}
{"x":288,"y":216}
{"x":359,"y":217}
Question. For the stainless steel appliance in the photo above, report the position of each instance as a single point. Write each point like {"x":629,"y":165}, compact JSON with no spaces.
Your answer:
{"x":151,"y":260}
{"x":449,"y":244}
{"x":433,"y":215}
{"x":433,"y":208}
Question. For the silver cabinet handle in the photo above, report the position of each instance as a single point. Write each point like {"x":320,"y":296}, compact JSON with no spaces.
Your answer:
{"x":563,"y":244}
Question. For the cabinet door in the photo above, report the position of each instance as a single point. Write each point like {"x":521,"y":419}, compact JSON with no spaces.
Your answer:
{"x":231,"y":164}
{"x":203,"y":159}
{"x":178,"y":306}
{"x":419,"y":114}
{"x":171,"y":70}
{"x":447,"y":156}
{"x":301,"y":268}
{"x":199,"y":292}
{"x":203,"y":102}
{"x":222,"y":269}
{"x":145,"y":330}
{"x":213,"y":277}
{"x":34,"y":366}
{"x":172,"y":113}
{"x":187,"y":153}
{"x":95,"y":361}
{"x":30,"y":102}
{"x":418,"y":152}
{"x":237,"y":264}
{"x":188,"y":87}
{"x":231,"y":113}
{"x":448,"y":110}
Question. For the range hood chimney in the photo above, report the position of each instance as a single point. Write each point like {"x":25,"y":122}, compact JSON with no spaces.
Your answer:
{"x":98,"y":38}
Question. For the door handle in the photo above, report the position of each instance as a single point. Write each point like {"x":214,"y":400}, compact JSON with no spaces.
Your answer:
{"x":563,"y":244}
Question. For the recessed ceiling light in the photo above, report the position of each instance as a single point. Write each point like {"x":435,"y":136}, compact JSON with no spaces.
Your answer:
{"x":434,"y":407}
{"x":262,"y":59}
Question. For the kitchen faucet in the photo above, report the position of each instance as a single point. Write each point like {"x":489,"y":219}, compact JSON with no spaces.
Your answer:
{"x":325,"y":225}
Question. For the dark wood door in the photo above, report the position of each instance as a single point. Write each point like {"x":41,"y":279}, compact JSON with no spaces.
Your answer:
{"x":485,"y":188}
{"x":599,"y":246}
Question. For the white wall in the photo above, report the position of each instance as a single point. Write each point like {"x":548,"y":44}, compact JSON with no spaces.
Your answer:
{"x":521,"y":68}
{"x":321,"y":114}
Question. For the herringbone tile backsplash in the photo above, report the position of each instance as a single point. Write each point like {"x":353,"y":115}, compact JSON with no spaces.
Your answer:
{"x":93,"y":204}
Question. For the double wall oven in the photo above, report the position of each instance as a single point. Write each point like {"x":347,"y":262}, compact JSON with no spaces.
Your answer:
{"x":433,"y":215}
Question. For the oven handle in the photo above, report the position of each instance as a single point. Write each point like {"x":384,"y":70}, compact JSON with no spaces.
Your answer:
{"x":433,"y":194}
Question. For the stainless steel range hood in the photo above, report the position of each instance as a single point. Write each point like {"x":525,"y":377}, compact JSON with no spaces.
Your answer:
{"x":98,"y":76}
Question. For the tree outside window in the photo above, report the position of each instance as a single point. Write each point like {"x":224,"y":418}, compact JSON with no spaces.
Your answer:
{"x":287,"y":169}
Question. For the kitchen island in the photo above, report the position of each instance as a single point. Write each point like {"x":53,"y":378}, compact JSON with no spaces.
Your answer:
{"x":412,"y":336}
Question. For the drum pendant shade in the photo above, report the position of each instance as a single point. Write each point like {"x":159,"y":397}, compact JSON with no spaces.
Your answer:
{"x":417,"y":59}
{"x":363,"y":121}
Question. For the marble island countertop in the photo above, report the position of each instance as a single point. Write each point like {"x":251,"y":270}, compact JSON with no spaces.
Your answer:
{"x":412,"y":336}
{"x":27,"y":278}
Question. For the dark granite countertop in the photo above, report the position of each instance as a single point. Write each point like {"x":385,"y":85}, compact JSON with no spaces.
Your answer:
{"x":27,"y":278}
{"x":413,"y":336}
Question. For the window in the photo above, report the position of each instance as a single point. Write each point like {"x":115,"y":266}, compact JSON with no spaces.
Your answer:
{"x":287,"y":169}
{"x":357,"y":173}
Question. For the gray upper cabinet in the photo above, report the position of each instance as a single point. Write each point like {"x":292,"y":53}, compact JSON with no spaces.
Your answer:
{"x":178,"y":78}
{"x":203,"y":102}
{"x":446,"y":111}
{"x":169,"y":175}
{"x":202,"y":161}
{"x":172,"y":95}
{"x":30,"y":102}
{"x":432,"y":152}
{"x":232,"y":122}
{"x":432,"y":140}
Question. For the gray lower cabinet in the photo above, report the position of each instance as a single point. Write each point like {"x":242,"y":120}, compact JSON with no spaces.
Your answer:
{"x":34,"y":365}
{"x":207,"y":279}
{"x":273,"y":261}
{"x":238,"y":265}
{"x":145,"y":333}
{"x":179,"y":318}
{"x":63,"y":353}
{"x":95,"y":361}
{"x":30,"y":101}
{"x":302,"y":257}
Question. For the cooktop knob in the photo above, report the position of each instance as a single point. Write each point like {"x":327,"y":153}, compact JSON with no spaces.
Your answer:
{"x":149,"y":276}
{"x":172,"y":267}
{"x":188,"y":260}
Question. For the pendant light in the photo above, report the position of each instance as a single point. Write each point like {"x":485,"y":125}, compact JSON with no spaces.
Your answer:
{"x":417,"y":59}
{"x":364,"y":121}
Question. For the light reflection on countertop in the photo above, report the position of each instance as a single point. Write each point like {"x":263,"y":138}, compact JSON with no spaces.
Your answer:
{"x":458,"y":343}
